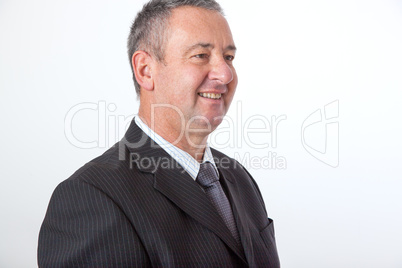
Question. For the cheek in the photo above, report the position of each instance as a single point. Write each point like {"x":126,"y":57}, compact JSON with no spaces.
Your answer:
{"x":231,"y":90}
{"x":228,"y":100}
{"x":233,"y":84}
{"x":195,"y":77}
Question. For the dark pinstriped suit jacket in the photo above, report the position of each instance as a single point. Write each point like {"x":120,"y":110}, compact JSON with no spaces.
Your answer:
{"x":126,"y":209}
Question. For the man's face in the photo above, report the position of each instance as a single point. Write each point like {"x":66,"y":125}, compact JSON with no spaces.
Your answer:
{"x":197,"y":75}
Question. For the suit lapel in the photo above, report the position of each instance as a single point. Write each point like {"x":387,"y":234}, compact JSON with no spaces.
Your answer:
{"x":171,"y":180}
{"x":185,"y":193}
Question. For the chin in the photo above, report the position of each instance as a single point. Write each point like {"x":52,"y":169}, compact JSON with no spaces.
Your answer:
{"x":216,"y":121}
{"x":206,"y":122}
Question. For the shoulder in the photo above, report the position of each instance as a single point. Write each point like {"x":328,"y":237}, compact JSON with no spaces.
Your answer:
{"x":109,"y":172}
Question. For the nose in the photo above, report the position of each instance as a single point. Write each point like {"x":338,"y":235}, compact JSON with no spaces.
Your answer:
{"x":221,"y":71}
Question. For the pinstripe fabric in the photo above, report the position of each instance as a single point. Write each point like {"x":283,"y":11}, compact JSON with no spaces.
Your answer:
{"x":116,"y":212}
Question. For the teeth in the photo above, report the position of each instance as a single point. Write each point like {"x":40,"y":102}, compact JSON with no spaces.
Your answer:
{"x":210,"y":95}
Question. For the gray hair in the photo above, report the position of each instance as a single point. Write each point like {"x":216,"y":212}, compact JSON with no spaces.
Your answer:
{"x":149,"y":29}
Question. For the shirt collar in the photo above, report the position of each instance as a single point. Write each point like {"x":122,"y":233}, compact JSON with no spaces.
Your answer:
{"x":189,"y":164}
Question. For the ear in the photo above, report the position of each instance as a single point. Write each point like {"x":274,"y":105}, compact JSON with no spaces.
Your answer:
{"x":141,"y":62}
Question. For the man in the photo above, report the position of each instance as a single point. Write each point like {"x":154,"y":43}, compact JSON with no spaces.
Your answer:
{"x":161,"y":197}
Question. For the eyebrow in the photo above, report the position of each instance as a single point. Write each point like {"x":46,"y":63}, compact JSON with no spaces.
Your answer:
{"x":208,"y":45}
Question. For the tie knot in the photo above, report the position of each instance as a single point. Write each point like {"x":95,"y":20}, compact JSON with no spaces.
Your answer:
{"x":207,"y":175}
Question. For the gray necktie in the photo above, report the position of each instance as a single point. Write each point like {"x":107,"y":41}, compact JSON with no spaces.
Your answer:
{"x":209,"y":180}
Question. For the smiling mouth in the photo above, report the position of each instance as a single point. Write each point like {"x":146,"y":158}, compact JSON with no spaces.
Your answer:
{"x":211,"y":95}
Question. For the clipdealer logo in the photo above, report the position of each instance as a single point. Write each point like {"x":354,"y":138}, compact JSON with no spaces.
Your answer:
{"x":256,"y":131}
{"x":320,"y":134}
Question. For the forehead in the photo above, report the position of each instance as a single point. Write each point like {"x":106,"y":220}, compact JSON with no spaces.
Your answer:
{"x":193,"y":24}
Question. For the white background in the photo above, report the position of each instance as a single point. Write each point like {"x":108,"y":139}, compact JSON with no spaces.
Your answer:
{"x":294,"y":57}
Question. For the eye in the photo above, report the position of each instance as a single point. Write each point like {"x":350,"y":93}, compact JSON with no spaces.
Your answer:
{"x":201,"y":56}
{"x":229,"y":58}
